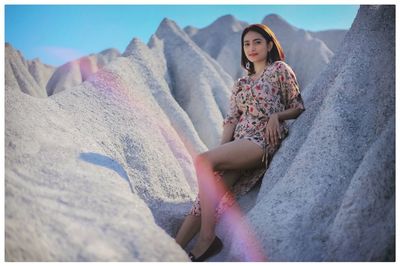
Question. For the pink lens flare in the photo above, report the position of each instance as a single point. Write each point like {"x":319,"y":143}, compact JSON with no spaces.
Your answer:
{"x":62,"y":53}
{"x":245,"y":242}
{"x":212,"y":191}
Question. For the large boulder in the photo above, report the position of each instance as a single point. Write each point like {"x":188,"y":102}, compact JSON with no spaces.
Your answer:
{"x":198,"y":83}
{"x":154,"y":67}
{"x":94,"y":173}
{"x":99,"y":169}
{"x":329,"y":192}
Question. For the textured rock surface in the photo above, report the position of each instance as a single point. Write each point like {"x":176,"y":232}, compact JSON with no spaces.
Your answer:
{"x":224,"y":46}
{"x":40,"y":72}
{"x":305,"y":54}
{"x":200,"y":85}
{"x":332,"y":38}
{"x":152,"y":64}
{"x":329,"y":192}
{"x":75,"y":72}
{"x":220,"y":30}
{"x":86,"y":179}
{"x":23,"y":75}
{"x":103,"y":170}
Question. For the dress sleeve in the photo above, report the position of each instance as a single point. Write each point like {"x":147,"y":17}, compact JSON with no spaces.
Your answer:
{"x":233,"y":115}
{"x":290,"y":88}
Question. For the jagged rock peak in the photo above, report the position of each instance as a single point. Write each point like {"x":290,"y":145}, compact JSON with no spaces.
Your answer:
{"x":169,"y":29}
{"x":36,"y":60}
{"x":167,"y":23}
{"x":110,"y":51}
{"x":190,"y":30}
{"x":225,"y":20}
{"x":153,"y":41}
{"x":274,"y":21}
{"x":108,"y":54}
{"x":136,"y":41}
{"x":11,"y":49}
{"x":156,"y":43}
{"x":228,"y":21}
{"x":133,"y":45}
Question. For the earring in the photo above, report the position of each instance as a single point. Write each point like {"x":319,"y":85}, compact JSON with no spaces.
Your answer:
{"x":248,"y":65}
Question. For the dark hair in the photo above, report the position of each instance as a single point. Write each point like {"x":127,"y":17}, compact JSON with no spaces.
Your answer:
{"x":275,"y":54}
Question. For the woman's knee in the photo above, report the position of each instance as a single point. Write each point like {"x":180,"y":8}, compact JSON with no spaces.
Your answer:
{"x":204,"y":160}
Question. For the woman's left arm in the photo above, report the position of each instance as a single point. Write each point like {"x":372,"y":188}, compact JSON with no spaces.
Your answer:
{"x":291,"y":113}
{"x":273,"y":131}
{"x":293,"y":102}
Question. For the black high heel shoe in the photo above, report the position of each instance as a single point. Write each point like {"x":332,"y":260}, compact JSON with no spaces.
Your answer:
{"x":213,"y":249}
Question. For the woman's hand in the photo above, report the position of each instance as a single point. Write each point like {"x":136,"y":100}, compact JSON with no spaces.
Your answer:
{"x":273,"y":131}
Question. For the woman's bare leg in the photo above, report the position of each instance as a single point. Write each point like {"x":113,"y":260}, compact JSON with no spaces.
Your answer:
{"x":191,"y":225}
{"x":239,"y":154}
{"x":189,"y":228}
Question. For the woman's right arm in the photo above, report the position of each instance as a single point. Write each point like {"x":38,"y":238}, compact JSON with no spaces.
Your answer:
{"x":227,"y":133}
{"x":232,"y":117}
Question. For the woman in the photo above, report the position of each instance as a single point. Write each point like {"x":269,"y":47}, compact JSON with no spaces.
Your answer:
{"x":252,"y":132}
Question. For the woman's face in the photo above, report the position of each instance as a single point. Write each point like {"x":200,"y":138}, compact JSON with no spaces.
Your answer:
{"x":255,"y":47}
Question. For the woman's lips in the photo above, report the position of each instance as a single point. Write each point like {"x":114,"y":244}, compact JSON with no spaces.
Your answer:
{"x":251,"y":55}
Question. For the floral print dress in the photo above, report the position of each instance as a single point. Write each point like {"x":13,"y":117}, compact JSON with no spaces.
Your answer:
{"x":251,"y":104}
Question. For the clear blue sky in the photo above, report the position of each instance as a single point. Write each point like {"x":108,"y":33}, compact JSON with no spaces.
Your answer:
{"x":59,"y":33}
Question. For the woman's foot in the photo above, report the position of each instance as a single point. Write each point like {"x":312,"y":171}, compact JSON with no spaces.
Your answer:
{"x":206,"y":248}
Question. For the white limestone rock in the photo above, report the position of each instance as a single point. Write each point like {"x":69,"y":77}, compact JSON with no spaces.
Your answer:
{"x":199,"y":84}
{"x":229,"y":56}
{"x":329,"y":192}
{"x":18,"y":76}
{"x":40,"y":72}
{"x":221,"y":40}
{"x":75,"y":72}
{"x":305,"y":52}
{"x":332,"y":38}
{"x":102,"y":170}
{"x":153,"y":66}
{"x":307,"y":55}
{"x":96,"y":173}
{"x":213,"y":37}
